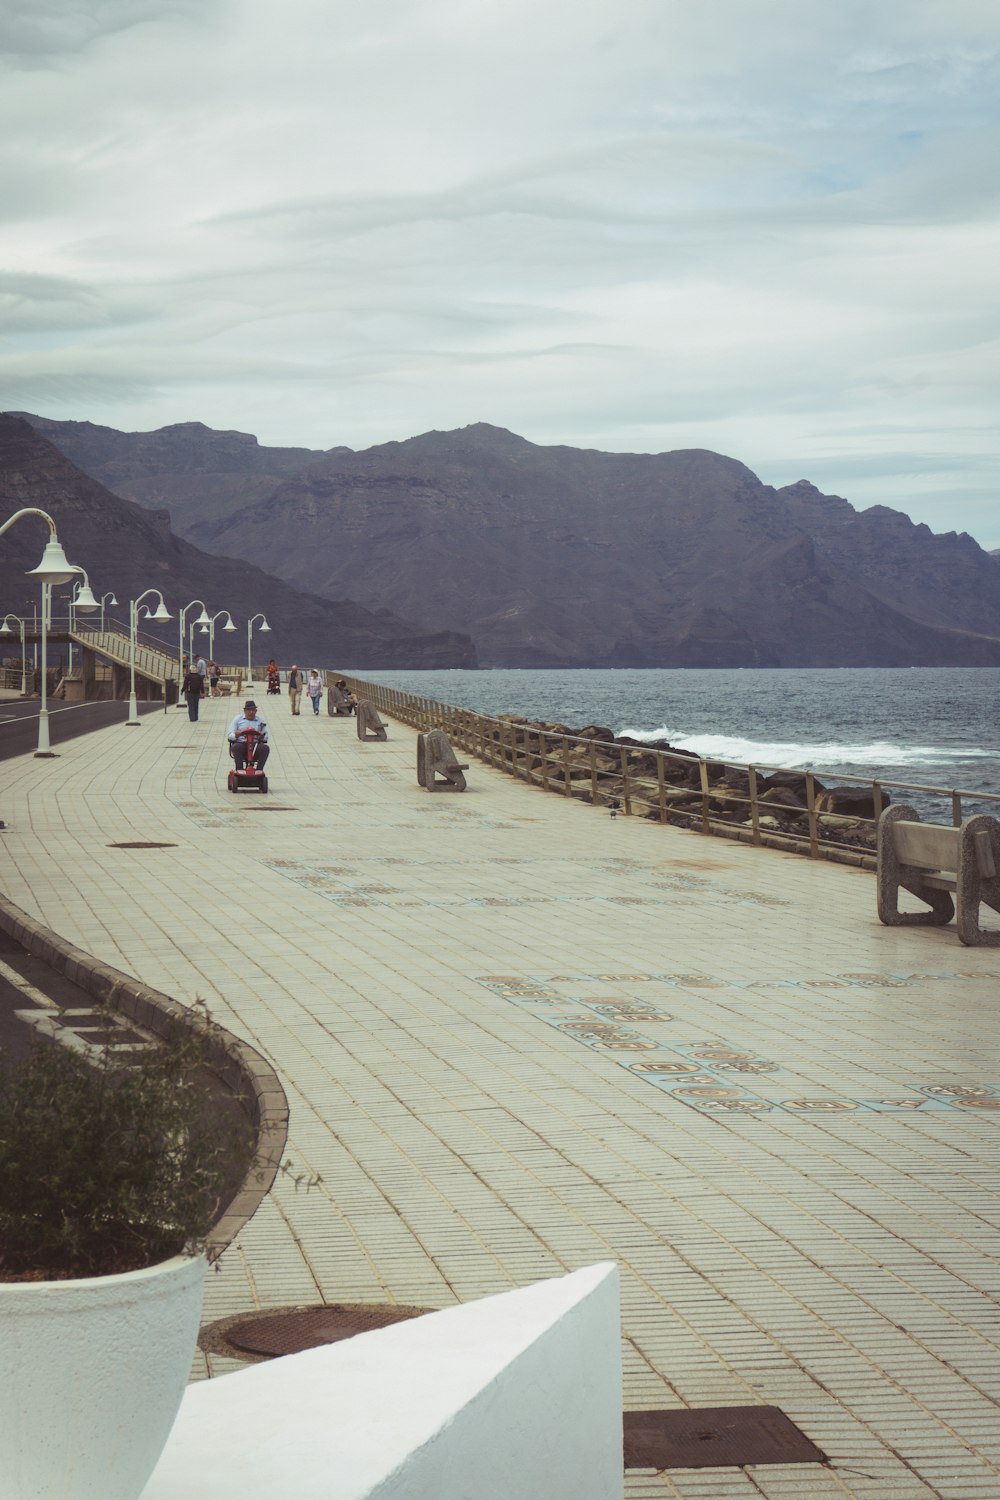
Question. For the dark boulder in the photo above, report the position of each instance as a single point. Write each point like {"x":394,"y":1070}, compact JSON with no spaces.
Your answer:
{"x":793,"y":781}
{"x":849,"y":801}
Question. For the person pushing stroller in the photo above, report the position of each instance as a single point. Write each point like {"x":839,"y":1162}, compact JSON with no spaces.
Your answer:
{"x":243,"y":724}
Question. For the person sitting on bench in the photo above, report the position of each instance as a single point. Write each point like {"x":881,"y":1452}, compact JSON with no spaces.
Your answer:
{"x":249,"y":720}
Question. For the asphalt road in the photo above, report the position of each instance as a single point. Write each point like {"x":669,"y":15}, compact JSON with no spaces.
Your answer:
{"x":39,"y":1004}
{"x":19,"y":722}
{"x":31,"y":994}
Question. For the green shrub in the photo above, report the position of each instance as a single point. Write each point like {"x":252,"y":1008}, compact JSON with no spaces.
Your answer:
{"x":112,"y":1161}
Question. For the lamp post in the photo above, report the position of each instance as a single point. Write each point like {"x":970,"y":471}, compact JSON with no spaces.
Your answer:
{"x":229,"y":627}
{"x":160,"y":613}
{"x":53,"y":568}
{"x":6,"y":630}
{"x":106,"y":599}
{"x":81,"y":600}
{"x":250,"y":625}
{"x":34,"y":635}
{"x":201,"y":620}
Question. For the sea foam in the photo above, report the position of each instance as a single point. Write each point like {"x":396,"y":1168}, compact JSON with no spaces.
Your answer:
{"x":794,"y":755}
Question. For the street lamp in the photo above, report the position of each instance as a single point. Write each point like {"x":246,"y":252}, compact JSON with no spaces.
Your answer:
{"x":250,"y":626}
{"x":53,"y":568}
{"x":81,"y":600}
{"x":201,"y":620}
{"x":106,"y":599}
{"x":229,"y":627}
{"x":160,"y":613}
{"x":6,"y":630}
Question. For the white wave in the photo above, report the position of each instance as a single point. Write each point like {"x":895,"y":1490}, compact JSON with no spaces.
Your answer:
{"x":795,"y":755}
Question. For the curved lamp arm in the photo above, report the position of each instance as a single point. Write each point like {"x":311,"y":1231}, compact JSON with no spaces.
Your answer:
{"x":54,"y":566}
{"x":30,"y":510}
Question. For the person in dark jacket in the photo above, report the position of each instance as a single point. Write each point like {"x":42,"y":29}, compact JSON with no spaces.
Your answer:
{"x":192,"y":687}
{"x":294,"y":688}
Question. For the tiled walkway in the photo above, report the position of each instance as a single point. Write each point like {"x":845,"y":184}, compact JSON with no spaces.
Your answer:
{"x":519,"y":1036}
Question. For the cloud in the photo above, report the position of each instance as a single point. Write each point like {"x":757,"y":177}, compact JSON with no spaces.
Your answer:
{"x":43,"y":29}
{"x":651,"y":225}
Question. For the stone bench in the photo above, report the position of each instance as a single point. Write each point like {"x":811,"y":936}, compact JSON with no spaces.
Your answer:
{"x":338,"y":703}
{"x":370,"y":726}
{"x":436,"y":758}
{"x":952,"y":870}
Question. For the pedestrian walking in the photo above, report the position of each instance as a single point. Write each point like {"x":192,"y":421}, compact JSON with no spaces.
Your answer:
{"x":214,"y":673}
{"x":294,"y":688}
{"x":314,"y":687}
{"x":191,"y":688}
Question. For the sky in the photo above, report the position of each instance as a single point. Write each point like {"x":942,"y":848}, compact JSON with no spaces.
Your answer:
{"x":770,"y":228}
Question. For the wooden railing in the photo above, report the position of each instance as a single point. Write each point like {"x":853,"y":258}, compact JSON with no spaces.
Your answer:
{"x":686,"y":790}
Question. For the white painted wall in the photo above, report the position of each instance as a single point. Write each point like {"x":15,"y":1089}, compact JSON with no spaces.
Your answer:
{"x":516,"y":1397}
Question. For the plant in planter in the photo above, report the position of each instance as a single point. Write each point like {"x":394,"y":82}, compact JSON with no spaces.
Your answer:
{"x":113,"y":1169}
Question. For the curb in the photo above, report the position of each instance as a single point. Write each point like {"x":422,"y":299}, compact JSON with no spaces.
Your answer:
{"x":244,"y":1070}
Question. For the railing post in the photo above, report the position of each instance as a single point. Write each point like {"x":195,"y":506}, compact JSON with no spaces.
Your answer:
{"x":593,"y":773}
{"x":626,"y":784}
{"x":811,"y":809}
{"x":956,"y":808}
{"x":706,"y":826}
{"x":754,"y":807}
{"x":543,"y":751}
{"x":661,"y":785}
{"x":567,"y":779}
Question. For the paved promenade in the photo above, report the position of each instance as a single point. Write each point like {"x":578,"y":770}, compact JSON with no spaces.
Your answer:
{"x":519,"y":1037}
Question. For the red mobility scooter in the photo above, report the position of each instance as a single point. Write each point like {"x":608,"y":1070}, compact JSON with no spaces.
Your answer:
{"x":251,"y":778}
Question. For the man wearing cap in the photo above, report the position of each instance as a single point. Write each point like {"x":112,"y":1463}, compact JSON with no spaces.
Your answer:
{"x":249,"y":719}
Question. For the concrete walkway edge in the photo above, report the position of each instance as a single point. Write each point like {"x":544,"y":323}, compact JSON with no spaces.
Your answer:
{"x":238,"y":1065}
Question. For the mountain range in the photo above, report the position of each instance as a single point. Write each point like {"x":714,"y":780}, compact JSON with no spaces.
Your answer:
{"x":127,"y":549}
{"x":564,"y":557}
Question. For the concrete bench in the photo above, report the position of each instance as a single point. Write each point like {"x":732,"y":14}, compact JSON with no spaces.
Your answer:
{"x":338,"y":703}
{"x":370,"y":726}
{"x":936,"y":864}
{"x":435,"y":758}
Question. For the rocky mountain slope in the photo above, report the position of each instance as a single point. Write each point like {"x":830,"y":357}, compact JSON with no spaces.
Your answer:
{"x":555,"y":556}
{"x":127,"y":549}
{"x":188,"y":469}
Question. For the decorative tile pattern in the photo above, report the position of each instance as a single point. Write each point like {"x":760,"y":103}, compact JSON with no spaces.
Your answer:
{"x":700,"y":1074}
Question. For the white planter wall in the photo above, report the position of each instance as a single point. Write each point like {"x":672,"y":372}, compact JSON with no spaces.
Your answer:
{"x":515,"y":1397}
{"x":91,"y":1376}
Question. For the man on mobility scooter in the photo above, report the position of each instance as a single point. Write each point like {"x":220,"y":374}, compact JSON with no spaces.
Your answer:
{"x":249,"y":747}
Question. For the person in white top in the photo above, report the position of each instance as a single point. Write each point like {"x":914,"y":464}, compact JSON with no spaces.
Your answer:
{"x":314,"y":687}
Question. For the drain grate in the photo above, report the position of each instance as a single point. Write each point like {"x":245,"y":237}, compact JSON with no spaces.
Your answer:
{"x":140,"y":845}
{"x":269,"y":807}
{"x":290,"y":1332}
{"x":714,"y":1437}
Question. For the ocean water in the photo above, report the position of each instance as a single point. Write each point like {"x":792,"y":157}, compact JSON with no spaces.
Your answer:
{"x":935,"y":726}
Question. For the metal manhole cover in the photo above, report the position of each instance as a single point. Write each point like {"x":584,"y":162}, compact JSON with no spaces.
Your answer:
{"x":308,"y":1327}
{"x":270,"y":807}
{"x":715,"y":1437}
{"x":141,"y":845}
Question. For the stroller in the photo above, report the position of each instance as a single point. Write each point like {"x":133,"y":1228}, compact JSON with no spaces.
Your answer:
{"x":250,"y":779}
